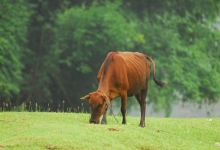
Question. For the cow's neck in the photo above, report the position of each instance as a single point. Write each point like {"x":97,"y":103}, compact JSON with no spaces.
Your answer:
{"x":104,"y":88}
{"x":104,"y":84}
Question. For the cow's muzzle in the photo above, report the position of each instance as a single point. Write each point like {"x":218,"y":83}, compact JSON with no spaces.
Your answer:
{"x":94,"y":121}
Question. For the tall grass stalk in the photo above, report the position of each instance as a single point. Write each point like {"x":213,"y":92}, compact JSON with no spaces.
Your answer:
{"x":63,"y":105}
{"x":37,"y":108}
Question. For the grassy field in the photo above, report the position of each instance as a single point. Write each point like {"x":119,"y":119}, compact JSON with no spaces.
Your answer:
{"x":42,"y":130}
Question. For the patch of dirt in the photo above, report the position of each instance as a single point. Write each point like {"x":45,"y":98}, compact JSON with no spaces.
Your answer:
{"x":1,"y":147}
{"x":114,"y":129}
{"x":4,"y":121}
{"x":217,"y":144}
{"x":51,"y":147}
{"x":144,"y":148}
{"x":165,"y":131}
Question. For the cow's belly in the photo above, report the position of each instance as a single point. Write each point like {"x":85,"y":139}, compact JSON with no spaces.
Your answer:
{"x":133,"y":92}
{"x":136,"y":88}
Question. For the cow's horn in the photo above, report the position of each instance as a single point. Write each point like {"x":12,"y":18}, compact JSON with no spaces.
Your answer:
{"x":85,"y":97}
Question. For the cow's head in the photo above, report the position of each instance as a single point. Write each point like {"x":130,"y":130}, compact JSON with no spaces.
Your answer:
{"x":98,"y":102}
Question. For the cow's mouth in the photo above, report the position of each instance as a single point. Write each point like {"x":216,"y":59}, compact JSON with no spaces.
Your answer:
{"x":93,"y":122}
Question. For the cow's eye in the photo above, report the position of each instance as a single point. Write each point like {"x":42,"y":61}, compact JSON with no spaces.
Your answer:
{"x":100,"y":105}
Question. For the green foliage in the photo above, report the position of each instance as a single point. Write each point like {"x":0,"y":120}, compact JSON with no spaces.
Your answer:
{"x":13,"y":28}
{"x":185,"y":46}
{"x":84,"y":37}
{"x":86,"y":32}
{"x":51,"y":51}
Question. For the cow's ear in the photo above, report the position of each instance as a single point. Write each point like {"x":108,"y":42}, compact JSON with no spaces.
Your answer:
{"x":85,"y":97}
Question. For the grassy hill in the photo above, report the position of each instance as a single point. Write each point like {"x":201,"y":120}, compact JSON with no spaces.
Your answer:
{"x":43,"y":130}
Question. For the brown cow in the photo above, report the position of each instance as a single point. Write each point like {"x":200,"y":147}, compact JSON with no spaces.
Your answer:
{"x":122,"y":74}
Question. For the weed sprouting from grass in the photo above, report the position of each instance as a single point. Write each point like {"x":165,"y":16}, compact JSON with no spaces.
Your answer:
{"x":39,"y":108}
{"x":58,"y":109}
{"x":36,"y":107}
{"x":7,"y":107}
{"x":82,"y":110}
{"x":48,"y":107}
{"x":30,"y":106}
{"x":63,"y":105}
{"x":3,"y":109}
{"x":10,"y":106}
{"x":69,"y":109}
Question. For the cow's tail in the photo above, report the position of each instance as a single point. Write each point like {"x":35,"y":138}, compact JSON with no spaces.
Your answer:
{"x":160,"y":83}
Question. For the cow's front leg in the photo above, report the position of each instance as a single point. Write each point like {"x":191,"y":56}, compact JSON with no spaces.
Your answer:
{"x":104,"y":121}
{"x":124,"y":106}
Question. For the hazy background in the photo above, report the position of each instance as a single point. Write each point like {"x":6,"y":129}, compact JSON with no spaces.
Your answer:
{"x":51,"y":51}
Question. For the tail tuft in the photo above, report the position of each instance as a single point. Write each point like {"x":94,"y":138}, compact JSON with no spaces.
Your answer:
{"x":160,"y":83}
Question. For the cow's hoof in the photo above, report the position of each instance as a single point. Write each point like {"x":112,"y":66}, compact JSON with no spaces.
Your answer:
{"x":142,"y":125}
{"x":103,"y":122}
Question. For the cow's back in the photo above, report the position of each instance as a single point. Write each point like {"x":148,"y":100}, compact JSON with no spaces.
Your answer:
{"x":124,"y":71}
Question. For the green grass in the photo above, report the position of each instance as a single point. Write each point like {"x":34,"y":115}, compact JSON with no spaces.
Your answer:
{"x":43,"y":130}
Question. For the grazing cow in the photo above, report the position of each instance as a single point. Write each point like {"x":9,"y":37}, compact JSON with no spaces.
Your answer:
{"x":122,"y":74}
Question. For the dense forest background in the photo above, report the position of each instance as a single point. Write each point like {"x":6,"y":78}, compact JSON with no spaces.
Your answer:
{"x":51,"y":50}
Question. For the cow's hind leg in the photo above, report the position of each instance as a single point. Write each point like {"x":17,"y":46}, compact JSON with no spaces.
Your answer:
{"x":124,"y":106}
{"x":104,"y":121}
{"x":141,"y":97}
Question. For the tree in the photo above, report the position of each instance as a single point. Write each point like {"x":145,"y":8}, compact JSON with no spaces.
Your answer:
{"x":51,"y":51}
{"x":182,"y":39}
{"x":84,"y":37}
{"x":14,"y":17}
